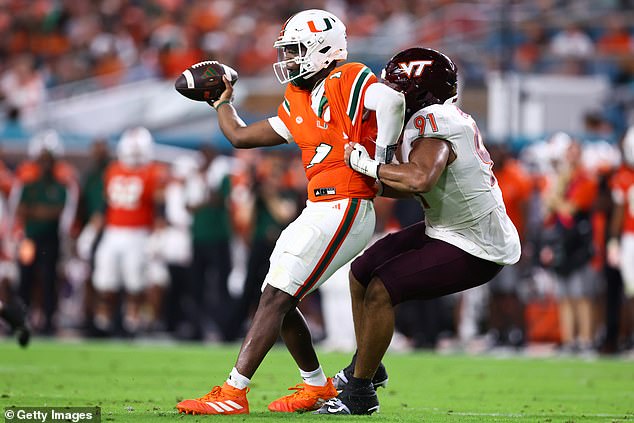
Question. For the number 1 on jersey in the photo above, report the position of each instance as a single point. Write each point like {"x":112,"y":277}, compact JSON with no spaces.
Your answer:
{"x":321,"y":151}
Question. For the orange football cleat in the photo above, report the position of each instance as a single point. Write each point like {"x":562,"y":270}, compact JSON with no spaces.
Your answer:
{"x":223,"y":399}
{"x":306,"y":398}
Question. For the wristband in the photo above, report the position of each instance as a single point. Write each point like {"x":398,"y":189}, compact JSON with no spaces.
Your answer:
{"x":385,"y":154}
{"x":220,"y":104}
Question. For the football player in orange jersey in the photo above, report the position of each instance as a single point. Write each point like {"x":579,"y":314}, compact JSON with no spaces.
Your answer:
{"x":133,"y":189}
{"x":620,"y":247}
{"x":324,"y":107}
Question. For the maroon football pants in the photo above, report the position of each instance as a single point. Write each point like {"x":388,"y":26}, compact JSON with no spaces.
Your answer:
{"x":412,"y":265}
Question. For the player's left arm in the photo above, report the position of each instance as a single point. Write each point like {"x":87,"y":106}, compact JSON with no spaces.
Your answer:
{"x":389,"y":106}
{"x":427,"y":160}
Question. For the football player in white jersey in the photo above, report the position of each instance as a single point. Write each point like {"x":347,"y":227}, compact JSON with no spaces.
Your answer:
{"x":466,"y":237}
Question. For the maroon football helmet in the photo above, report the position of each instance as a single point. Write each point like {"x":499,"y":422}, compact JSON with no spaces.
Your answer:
{"x":425,"y":76}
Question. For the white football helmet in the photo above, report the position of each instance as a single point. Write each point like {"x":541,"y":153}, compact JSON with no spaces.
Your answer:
{"x":48,"y":140}
{"x":136,"y":147}
{"x":315,"y":38}
{"x":184,"y":166}
{"x":628,"y":147}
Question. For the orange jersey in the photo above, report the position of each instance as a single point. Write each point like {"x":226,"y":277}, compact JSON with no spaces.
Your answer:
{"x":582,"y":190}
{"x":29,"y":171}
{"x":130,"y":194}
{"x":6,"y":180}
{"x":622,"y":186}
{"x":516,"y":186}
{"x":323,"y":121}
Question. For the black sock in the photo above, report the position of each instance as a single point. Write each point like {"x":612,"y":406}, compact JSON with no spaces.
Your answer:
{"x":357,"y":383}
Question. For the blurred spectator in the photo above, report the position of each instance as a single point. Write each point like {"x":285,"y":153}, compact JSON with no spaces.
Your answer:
{"x":572,"y":42}
{"x":92,"y":204}
{"x":531,"y":47}
{"x":22,"y":87}
{"x":569,"y":249}
{"x":181,"y":312}
{"x":621,"y":244}
{"x":571,"y":50}
{"x":163,"y":245}
{"x":117,"y":40}
{"x":611,"y":316}
{"x":506,"y":311}
{"x":597,"y":128}
{"x":616,"y":39}
{"x":8,"y":270}
{"x":92,"y":201}
{"x":46,"y":188}
{"x":275,"y":205}
{"x":621,"y":105}
{"x":208,"y":201}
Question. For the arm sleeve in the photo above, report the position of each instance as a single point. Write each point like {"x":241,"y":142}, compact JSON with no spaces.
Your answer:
{"x":389,"y":105}
{"x":278,"y":126}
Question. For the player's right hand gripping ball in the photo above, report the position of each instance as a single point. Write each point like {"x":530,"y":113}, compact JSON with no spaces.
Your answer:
{"x":203,"y":81}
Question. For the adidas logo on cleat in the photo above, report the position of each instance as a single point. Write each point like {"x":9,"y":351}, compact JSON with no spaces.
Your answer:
{"x":223,"y":406}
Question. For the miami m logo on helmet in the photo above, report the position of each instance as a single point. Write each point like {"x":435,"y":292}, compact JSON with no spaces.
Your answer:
{"x":313,"y":28}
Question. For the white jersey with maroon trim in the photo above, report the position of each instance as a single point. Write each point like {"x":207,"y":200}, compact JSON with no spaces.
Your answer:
{"x":465,"y":207}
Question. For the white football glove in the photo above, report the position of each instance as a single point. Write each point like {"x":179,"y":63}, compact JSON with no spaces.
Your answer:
{"x":361,"y":162}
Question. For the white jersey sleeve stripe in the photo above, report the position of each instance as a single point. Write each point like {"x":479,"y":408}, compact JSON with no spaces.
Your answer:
{"x":278,"y":126}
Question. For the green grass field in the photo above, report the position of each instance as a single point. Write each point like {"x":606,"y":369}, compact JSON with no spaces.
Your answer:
{"x":142,"y":383}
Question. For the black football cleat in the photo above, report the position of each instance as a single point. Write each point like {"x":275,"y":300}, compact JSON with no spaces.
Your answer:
{"x":340,"y":380}
{"x":361,"y":401}
{"x":14,"y":314}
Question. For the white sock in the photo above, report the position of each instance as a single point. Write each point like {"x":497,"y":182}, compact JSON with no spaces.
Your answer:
{"x":237,"y":380}
{"x":314,"y":378}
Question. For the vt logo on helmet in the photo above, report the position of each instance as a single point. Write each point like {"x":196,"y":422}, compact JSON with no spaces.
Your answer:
{"x":309,"y":42}
{"x":425,"y":76}
{"x":419,"y":65}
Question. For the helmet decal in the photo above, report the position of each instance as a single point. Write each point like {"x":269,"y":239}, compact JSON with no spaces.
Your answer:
{"x":309,"y":42}
{"x":313,"y":28}
{"x":419,"y":65}
{"x":424,"y":75}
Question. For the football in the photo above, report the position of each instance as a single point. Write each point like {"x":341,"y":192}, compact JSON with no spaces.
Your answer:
{"x":203,"y":81}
